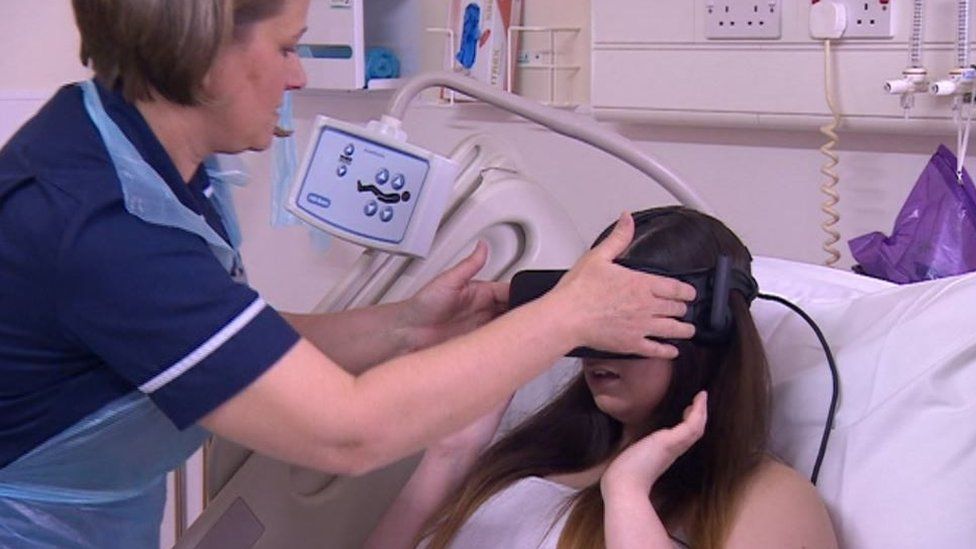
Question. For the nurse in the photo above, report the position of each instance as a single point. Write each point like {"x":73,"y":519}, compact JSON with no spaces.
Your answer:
{"x":127,"y":334}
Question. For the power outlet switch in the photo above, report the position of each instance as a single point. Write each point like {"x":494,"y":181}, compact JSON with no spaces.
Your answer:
{"x":743,"y":19}
{"x":868,"y":18}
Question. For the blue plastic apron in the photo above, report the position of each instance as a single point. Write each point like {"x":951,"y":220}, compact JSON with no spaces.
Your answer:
{"x":101,"y":483}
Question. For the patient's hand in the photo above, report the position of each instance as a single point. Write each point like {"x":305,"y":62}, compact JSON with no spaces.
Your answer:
{"x":643,"y":462}
{"x":438,"y":474}
{"x":471,"y":440}
{"x":629,"y":519}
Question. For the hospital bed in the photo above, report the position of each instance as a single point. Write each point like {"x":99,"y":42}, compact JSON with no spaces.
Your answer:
{"x":900,"y":467}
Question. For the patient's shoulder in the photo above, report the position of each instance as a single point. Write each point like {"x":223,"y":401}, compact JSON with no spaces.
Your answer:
{"x":780,"y":508}
{"x":774,"y":475}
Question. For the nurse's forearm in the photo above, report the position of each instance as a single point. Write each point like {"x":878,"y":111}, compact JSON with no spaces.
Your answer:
{"x":307,"y":411}
{"x":441,"y":389}
{"x":356,"y":339}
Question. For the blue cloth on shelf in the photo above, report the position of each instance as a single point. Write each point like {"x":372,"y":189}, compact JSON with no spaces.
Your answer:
{"x":381,"y":63}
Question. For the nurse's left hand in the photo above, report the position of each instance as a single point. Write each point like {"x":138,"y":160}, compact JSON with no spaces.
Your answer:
{"x":453,"y":304}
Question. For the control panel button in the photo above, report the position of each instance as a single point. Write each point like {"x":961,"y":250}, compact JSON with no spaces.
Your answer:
{"x":398,"y":182}
{"x":341,"y":170}
{"x":349,"y":149}
{"x":382,"y":176}
{"x":370,"y":208}
{"x":387,"y":214}
{"x":319,"y":200}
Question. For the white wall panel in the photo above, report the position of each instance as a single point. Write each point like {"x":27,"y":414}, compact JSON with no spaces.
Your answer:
{"x":640,"y":22}
{"x":646,"y":67}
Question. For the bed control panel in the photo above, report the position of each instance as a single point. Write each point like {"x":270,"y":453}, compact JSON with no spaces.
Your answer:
{"x":372,"y":189}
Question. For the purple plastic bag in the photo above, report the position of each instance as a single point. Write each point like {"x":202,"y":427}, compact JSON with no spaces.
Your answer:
{"x":935,"y":232}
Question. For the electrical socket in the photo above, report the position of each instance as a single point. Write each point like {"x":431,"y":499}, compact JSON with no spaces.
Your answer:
{"x":738,"y":19}
{"x":868,"y":18}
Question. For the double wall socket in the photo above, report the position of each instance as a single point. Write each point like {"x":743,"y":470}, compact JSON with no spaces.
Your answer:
{"x":742,"y":19}
{"x":868,"y":18}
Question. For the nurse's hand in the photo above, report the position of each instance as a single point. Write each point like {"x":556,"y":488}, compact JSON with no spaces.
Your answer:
{"x":453,"y":304}
{"x":614,"y":308}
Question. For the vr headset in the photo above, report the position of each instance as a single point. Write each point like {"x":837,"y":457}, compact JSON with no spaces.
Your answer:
{"x":709,"y":312}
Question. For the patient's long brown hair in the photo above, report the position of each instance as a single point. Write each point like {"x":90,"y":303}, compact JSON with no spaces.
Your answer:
{"x":698,"y":493}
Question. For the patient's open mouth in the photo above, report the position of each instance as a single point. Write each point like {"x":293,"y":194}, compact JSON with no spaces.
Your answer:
{"x":604,"y":374}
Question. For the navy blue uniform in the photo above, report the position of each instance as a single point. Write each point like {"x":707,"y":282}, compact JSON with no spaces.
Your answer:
{"x":96,"y":303}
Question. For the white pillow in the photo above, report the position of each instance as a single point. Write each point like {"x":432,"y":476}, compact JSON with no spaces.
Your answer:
{"x":900,"y":466}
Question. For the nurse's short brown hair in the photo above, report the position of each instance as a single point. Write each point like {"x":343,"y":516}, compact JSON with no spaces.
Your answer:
{"x":163,"y":47}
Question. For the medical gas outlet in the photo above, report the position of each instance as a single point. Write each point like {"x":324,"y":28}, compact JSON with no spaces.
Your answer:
{"x":960,"y":82}
{"x":914,"y":80}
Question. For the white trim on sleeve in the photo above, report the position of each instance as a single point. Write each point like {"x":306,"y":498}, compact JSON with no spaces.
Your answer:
{"x":205,"y":350}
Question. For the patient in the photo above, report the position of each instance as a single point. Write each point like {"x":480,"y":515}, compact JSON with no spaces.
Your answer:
{"x":634,"y":452}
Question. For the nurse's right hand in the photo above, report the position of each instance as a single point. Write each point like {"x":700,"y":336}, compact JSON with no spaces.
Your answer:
{"x":617,"y":308}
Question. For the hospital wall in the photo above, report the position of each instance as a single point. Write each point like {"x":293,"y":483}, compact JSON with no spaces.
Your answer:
{"x":763,"y":183}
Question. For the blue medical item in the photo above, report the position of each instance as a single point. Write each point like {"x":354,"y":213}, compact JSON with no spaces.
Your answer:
{"x":224,"y":171}
{"x":115,"y":307}
{"x":283,"y":175}
{"x":146,"y":194}
{"x":470,"y":34}
{"x":368,"y":186}
{"x":101,"y":482}
{"x":934,"y":234}
{"x":381,"y":63}
{"x":283,"y":168}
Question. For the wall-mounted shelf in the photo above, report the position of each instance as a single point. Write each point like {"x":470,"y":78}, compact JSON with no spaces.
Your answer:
{"x":417,"y":31}
{"x":341,"y":32}
{"x":547,"y":60}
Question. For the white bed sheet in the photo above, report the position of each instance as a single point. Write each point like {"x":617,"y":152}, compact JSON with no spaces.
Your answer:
{"x":900,"y":467}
